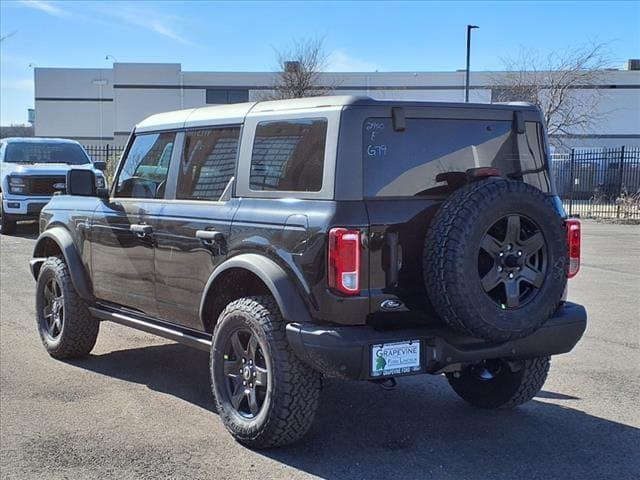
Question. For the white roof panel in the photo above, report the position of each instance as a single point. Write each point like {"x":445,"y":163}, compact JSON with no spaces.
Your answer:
{"x":307,"y":102}
{"x":164,"y":121}
{"x":236,"y":113}
{"x":218,"y":115}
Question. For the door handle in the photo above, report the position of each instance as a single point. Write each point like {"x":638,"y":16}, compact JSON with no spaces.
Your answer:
{"x":210,"y":237}
{"x":141,"y":230}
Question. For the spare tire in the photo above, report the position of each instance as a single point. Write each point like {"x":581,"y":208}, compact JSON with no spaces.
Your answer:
{"x":495,"y":259}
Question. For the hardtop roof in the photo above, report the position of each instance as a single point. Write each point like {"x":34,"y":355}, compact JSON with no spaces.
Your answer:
{"x":38,"y":140}
{"x":236,"y":113}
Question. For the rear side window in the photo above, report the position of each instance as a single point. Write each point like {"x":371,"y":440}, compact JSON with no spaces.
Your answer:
{"x":208,"y":163}
{"x":289,"y":155}
{"x":144,"y":172}
{"x":406,"y":163}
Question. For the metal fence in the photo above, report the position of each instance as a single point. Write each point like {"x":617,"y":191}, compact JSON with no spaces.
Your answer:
{"x":107,"y":153}
{"x":599,"y":183}
{"x":593,"y":183}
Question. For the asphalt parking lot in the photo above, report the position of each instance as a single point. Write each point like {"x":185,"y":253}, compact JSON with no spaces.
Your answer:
{"x":140,"y":407}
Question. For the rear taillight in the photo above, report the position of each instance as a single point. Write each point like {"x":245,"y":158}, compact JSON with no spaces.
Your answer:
{"x":344,"y":260}
{"x":573,"y":242}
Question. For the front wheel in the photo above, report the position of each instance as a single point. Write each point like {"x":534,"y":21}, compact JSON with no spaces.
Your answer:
{"x":66,"y":327}
{"x":500,"y":384}
{"x":265,"y":395}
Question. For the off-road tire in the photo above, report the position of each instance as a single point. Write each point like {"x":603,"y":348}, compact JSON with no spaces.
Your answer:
{"x":507,"y":390}
{"x":450,"y":259}
{"x":294,"y":388}
{"x":79,"y":328}
{"x":7,"y":224}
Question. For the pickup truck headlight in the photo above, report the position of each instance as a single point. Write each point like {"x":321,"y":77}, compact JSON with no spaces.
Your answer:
{"x":17,"y":185}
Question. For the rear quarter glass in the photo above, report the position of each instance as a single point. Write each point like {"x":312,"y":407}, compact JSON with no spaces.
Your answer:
{"x":406,"y":163}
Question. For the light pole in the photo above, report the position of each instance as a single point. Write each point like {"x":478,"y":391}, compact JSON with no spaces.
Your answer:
{"x":100,"y":82}
{"x":466,"y":80}
{"x":113,"y":59}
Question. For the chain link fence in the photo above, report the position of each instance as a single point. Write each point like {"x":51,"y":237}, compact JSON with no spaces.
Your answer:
{"x":593,"y":183}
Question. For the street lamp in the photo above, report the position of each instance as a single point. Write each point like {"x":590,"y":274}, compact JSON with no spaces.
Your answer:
{"x":466,"y":82}
{"x":100,"y":82}
{"x":113,"y":59}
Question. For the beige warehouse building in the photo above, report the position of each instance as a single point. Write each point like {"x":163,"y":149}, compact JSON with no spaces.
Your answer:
{"x":101,"y":105}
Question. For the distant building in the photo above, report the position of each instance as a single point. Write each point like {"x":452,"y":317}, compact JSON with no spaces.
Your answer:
{"x":101,"y":105}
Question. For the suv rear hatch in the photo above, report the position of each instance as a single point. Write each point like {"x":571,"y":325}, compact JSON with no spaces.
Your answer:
{"x":413,"y":158}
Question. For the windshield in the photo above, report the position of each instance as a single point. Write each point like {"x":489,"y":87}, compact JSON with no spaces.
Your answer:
{"x":37,"y":152}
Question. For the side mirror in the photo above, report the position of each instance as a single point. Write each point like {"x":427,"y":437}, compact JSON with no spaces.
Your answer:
{"x":100,"y":165}
{"x":83,"y":183}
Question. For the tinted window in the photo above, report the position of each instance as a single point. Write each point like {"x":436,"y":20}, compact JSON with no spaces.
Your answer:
{"x":289,"y":156}
{"x":406,"y":163}
{"x":41,"y":152}
{"x":144,"y":172}
{"x":208,"y":163}
{"x":227,"y":95}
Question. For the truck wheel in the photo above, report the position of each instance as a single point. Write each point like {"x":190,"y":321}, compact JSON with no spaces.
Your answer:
{"x":495,"y":259}
{"x":265,"y":395}
{"x":500,"y":384}
{"x":66,"y":327}
{"x":7,"y":224}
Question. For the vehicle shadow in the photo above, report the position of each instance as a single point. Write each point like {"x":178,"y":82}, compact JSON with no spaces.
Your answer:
{"x":168,"y":368}
{"x":419,"y":430}
{"x":28,"y":230}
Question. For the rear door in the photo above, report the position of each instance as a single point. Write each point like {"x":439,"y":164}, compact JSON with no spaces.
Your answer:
{"x":122,"y":242}
{"x":192,"y":230}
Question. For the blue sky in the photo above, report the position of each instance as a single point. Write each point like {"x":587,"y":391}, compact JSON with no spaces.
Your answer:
{"x":242,"y":36}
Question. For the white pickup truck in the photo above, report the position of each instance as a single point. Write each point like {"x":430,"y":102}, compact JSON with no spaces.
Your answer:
{"x":32,"y":170}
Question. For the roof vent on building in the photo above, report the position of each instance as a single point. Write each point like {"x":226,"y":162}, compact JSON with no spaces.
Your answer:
{"x":291,"y":67}
{"x":633,"y":64}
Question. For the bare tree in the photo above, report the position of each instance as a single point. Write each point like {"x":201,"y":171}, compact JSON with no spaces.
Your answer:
{"x":8,"y":35}
{"x":556,"y":84}
{"x":299,"y":71}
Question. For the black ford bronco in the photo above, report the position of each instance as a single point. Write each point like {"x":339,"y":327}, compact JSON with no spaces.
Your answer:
{"x":332,"y":236}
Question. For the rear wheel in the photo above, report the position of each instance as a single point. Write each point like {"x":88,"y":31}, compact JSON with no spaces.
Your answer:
{"x":500,"y":384}
{"x":66,"y":327}
{"x":266,"y":396}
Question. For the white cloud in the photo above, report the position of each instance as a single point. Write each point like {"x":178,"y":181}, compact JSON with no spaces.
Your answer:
{"x":341,"y":61}
{"x":151,"y":20}
{"x":46,"y":7}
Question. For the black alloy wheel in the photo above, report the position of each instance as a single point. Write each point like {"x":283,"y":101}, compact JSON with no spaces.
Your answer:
{"x":512,"y":261}
{"x":247,"y":372}
{"x":65,"y":325}
{"x":53,"y":309}
{"x":265,"y":396}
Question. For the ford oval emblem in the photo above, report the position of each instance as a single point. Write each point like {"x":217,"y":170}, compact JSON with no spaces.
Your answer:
{"x":391,"y":304}
{"x":59,"y":186}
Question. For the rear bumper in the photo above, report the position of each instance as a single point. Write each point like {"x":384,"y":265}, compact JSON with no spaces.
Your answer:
{"x":345,"y":351}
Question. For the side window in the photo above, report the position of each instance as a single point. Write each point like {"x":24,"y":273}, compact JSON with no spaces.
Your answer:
{"x":208,"y":163}
{"x":289,"y":155}
{"x":145,"y":169}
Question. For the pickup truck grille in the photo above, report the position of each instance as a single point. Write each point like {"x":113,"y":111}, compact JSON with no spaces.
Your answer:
{"x":44,"y":185}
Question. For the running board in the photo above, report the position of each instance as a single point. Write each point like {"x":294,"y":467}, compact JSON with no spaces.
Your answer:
{"x":201,"y":341}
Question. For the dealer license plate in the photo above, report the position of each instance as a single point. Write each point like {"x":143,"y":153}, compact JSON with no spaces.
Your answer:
{"x":395,"y":358}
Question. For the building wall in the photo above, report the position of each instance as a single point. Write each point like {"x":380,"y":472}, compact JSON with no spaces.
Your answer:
{"x":102,"y":105}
